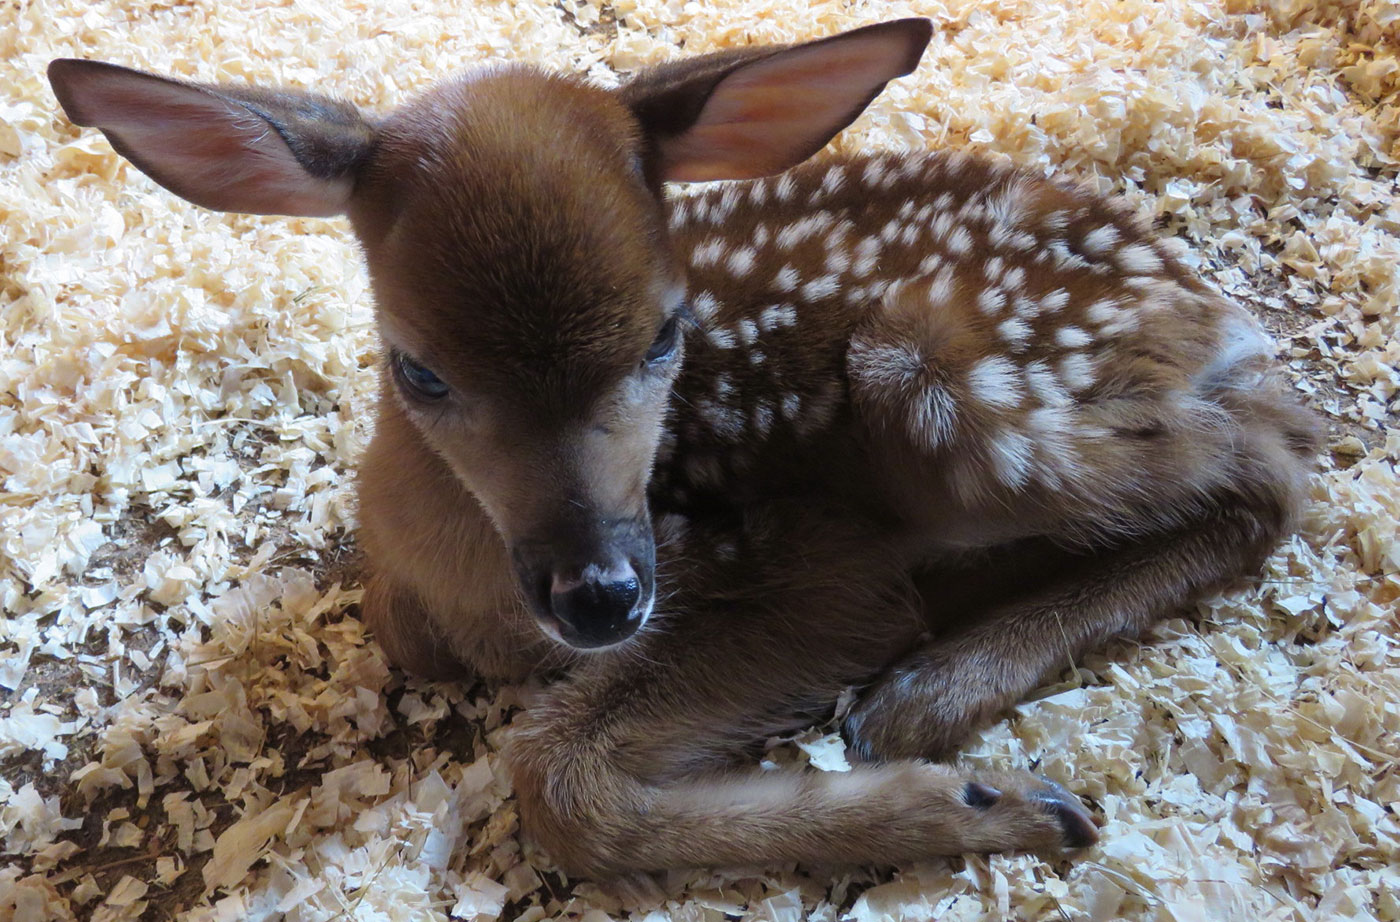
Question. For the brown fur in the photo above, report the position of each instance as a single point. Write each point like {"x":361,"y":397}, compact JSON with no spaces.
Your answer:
{"x":940,"y":429}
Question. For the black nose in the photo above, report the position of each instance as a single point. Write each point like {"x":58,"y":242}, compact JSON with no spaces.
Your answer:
{"x":599,"y":608}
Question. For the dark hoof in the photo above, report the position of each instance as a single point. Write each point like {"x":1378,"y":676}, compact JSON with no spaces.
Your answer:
{"x":1078,"y":828}
{"x":977,"y":794}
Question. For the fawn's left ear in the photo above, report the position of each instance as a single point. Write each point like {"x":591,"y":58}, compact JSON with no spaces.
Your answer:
{"x":755,"y":112}
{"x":228,"y":148}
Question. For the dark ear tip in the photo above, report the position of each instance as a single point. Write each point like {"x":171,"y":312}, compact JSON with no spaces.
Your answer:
{"x":920,"y":32}
{"x":61,"y":71}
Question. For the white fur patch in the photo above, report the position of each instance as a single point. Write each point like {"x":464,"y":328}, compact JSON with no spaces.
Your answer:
{"x":990,"y":300}
{"x":838,"y":261}
{"x":1014,"y":332}
{"x":1045,"y":385}
{"x":786,"y":279}
{"x":823,"y":287}
{"x":1077,"y":372}
{"x":1054,"y":301}
{"x":994,"y":381}
{"x":703,"y":306}
{"x":1101,"y":239}
{"x":931,"y":417}
{"x":1139,"y":258}
{"x":740,"y":262}
{"x":721,"y":338}
{"x":777,"y":317}
{"x":1072,"y":337}
{"x":1011,"y":456}
{"x":940,"y":290}
{"x":748,"y":331}
{"x":874,"y":173}
{"x":834,"y":179}
{"x":707,"y":253}
{"x":960,"y":242}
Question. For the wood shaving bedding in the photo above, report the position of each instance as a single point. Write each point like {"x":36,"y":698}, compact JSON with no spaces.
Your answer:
{"x":192,"y":727}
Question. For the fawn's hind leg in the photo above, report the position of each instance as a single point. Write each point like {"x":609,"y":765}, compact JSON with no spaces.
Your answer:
{"x":931,"y":700}
{"x":630,"y":762}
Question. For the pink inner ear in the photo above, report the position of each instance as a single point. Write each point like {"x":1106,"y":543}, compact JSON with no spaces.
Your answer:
{"x":203,"y":147}
{"x":777,"y":112}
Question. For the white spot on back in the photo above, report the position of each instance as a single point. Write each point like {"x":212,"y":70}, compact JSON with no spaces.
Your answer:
{"x":1102,"y":311}
{"x":777,"y":317}
{"x":741,"y":262}
{"x":1011,"y":454}
{"x":930,"y":263}
{"x":832,"y":182}
{"x":748,"y":331}
{"x":1077,"y":371}
{"x":822,"y":287}
{"x":1139,"y":258}
{"x":1064,"y":258}
{"x":680,"y":214}
{"x":1054,"y":301}
{"x":785,"y":188}
{"x":721,"y":338}
{"x":931,"y":416}
{"x":994,"y":381}
{"x":786,"y":279}
{"x":874,"y":173}
{"x":758,"y":191}
{"x":1014,"y":332}
{"x":990,"y":300}
{"x":707,"y":253}
{"x":802,"y":228}
{"x":960,"y":242}
{"x":1045,"y":385}
{"x":1101,"y":239}
{"x":838,"y":260}
{"x":940,"y":290}
{"x":703,"y":306}
{"x":1072,"y":337}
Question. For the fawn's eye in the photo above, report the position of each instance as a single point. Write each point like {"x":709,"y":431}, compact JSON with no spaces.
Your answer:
{"x":417,"y":379}
{"x":665,"y":343}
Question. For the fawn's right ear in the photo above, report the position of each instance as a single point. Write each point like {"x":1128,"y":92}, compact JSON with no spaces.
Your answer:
{"x":230,"y":149}
{"x":754,"y":112}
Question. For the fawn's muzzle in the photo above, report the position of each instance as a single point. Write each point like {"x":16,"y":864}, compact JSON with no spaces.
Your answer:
{"x":600,"y":607}
{"x":593,"y":592}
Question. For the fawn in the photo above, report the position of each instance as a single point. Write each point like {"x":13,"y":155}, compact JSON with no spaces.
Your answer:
{"x":911,"y":422}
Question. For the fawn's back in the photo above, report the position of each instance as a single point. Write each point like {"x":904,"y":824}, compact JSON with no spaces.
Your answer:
{"x":964,"y":346}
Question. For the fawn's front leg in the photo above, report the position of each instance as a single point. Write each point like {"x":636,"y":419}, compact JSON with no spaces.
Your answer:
{"x":629,"y":763}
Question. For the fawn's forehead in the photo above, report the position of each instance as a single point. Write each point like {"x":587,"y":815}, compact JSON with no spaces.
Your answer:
{"x":511,"y":236}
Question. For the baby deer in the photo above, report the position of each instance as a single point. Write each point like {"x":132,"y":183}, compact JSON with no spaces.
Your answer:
{"x":911,"y":422}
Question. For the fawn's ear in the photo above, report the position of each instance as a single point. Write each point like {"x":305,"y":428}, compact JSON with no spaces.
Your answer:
{"x":230,"y":149}
{"x":754,"y":112}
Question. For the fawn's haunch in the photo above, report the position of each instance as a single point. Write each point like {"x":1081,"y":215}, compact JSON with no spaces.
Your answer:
{"x":911,"y":422}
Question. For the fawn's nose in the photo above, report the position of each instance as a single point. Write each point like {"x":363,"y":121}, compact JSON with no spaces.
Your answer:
{"x":598,"y":607}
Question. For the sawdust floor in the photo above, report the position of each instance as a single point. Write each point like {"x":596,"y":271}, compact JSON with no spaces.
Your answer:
{"x":192,"y":723}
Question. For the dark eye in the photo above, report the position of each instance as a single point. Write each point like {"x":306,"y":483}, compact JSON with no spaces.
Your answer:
{"x":665,"y":343}
{"x":419,"y":381}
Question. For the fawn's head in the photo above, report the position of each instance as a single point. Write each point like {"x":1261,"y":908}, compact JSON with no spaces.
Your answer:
{"x":527,"y":295}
